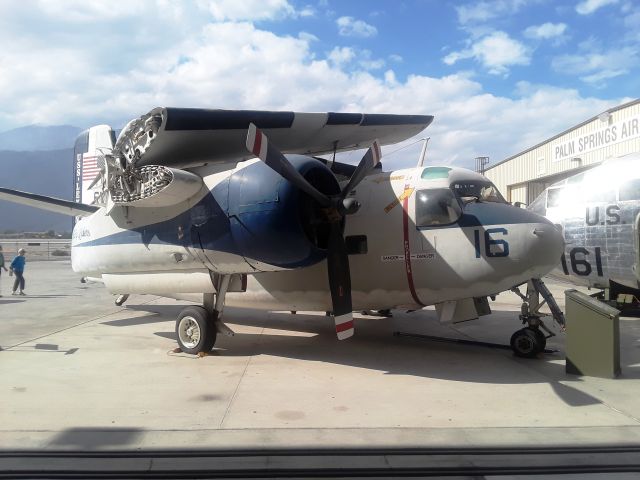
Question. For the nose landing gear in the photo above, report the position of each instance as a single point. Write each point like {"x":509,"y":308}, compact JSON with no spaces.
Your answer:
{"x":531,"y":340}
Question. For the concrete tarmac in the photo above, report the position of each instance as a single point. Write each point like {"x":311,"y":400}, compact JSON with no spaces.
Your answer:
{"x":77,"y":372}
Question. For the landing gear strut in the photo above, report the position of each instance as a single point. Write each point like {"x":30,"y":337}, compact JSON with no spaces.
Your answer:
{"x":531,"y":340}
{"x":197,"y":327}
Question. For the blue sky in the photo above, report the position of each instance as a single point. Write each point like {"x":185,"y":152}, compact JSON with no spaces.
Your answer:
{"x":499,"y":75}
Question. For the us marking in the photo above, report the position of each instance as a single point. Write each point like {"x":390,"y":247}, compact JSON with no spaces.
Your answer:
{"x":413,"y":256}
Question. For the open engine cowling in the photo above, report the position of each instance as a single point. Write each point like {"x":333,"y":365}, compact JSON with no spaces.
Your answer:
{"x":274,"y":224}
{"x":155,"y":186}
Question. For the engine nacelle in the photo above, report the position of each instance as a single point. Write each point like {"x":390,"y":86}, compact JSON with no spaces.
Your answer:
{"x":155,"y":186}
{"x":275,"y":225}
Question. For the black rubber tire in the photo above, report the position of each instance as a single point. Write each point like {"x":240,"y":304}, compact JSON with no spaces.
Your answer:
{"x":120,"y":299}
{"x":207,"y":329}
{"x":525,"y":343}
{"x":541,"y":339}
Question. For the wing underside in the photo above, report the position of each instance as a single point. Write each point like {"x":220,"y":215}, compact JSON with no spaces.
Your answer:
{"x":52,"y":204}
{"x":185,"y":137}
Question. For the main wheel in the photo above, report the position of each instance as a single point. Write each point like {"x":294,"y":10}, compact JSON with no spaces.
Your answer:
{"x":526,"y":343}
{"x":194,"y":332}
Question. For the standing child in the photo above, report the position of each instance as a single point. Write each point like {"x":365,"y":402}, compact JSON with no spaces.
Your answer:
{"x":17,"y":268}
{"x":1,"y":268}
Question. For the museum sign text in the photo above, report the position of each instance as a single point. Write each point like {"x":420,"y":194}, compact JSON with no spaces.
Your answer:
{"x":604,"y":137}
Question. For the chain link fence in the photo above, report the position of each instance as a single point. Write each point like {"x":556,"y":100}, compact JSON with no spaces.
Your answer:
{"x":37,"y":248}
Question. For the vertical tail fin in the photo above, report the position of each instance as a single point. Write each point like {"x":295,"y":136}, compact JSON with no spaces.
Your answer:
{"x":88,"y":161}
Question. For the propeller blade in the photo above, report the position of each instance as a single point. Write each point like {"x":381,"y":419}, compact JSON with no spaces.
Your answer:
{"x":259,"y":145}
{"x":340,"y":282}
{"x":368,"y":163}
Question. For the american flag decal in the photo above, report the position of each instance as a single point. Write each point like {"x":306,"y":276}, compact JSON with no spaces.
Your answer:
{"x":90,"y":168}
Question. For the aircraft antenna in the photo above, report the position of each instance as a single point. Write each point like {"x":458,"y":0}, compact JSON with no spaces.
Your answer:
{"x":423,"y":153}
{"x":333,"y":159}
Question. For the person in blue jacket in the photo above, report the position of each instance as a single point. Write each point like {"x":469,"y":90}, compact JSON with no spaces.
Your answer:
{"x":17,"y":268}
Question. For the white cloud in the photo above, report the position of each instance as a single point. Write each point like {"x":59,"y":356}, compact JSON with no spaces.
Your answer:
{"x":307,"y":11}
{"x":341,"y":55}
{"x":496,"y":52}
{"x":596,"y":66}
{"x":484,"y":10}
{"x":252,"y":10}
{"x":395,"y":58}
{"x":99,"y":73}
{"x":589,"y":6}
{"x":350,"y":27}
{"x":546,"y":30}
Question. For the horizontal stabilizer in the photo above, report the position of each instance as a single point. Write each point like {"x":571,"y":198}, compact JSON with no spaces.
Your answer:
{"x":43,"y":202}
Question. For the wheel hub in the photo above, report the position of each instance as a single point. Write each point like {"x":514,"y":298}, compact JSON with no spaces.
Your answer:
{"x":189,"y":332}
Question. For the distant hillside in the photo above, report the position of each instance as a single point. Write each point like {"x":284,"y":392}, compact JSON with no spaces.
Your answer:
{"x":35,"y":137}
{"x":43,"y":172}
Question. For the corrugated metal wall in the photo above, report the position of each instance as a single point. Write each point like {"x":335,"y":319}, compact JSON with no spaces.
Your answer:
{"x":537,"y":163}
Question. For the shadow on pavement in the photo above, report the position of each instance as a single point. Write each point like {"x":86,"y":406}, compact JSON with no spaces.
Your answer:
{"x":95,"y":438}
{"x":312,"y":338}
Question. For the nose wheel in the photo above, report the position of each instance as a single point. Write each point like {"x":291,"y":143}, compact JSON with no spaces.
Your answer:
{"x":528,"y":342}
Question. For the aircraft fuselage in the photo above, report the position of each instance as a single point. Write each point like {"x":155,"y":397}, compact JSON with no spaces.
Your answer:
{"x":413,"y":242}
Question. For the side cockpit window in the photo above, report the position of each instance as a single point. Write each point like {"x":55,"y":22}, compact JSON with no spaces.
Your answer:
{"x":483,"y":191}
{"x":436,"y":206}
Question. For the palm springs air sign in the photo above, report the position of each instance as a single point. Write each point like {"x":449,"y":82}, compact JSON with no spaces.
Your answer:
{"x":604,"y":137}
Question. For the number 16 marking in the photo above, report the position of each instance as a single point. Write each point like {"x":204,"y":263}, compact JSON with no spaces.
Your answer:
{"x":489,"y":241}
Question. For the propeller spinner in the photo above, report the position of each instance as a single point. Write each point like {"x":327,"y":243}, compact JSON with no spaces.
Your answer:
{"x":336,"y":208}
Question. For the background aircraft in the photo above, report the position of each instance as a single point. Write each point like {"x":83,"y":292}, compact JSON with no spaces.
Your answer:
{"x":599,"y":213}
{"x":179,"y":206}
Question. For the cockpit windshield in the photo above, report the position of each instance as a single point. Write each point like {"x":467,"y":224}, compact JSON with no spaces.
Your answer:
{"x":483,"y":191}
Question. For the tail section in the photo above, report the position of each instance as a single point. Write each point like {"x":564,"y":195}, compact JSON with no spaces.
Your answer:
{"x":88,"y":153}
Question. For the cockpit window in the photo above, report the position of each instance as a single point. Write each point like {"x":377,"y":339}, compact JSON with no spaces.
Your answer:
{"x":436,"y":206}
{"x":538,"y":205}
{"x":432,"y":173}
{"x":482,"y":190}
{"x":553,"y":197}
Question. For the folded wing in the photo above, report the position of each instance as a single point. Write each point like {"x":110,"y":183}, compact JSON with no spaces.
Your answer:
{"x":184,"y":137}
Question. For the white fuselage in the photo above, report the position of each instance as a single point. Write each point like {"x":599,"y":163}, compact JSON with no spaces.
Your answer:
{"x":406,"y":258}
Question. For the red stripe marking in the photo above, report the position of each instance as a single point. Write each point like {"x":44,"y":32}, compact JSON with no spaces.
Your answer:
{"x":257,"y":143}
{"x":344,"y":326}
{"x":407,"y":250}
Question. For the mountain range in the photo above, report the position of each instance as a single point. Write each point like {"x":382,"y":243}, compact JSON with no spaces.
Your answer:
{"x":36,"y":159}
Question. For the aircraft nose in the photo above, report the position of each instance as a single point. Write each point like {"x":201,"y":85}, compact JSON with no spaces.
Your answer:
{"x":548,"y":245}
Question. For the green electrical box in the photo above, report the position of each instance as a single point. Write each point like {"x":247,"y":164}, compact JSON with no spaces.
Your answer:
{"x":593,"y":336}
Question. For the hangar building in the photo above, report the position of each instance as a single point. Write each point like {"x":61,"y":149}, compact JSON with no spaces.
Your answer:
{"x":615,"y":132}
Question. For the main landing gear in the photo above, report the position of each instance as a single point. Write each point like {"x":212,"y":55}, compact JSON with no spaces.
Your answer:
{"x":531,"y":340}
{"x":197,"y":327}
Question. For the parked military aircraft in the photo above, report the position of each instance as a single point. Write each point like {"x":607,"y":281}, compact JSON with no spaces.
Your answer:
{"x":203,"y":203}
{"x":599,"y":211}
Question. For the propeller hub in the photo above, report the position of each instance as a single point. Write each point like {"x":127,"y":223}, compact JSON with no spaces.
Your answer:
{"x":349,"y":206}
